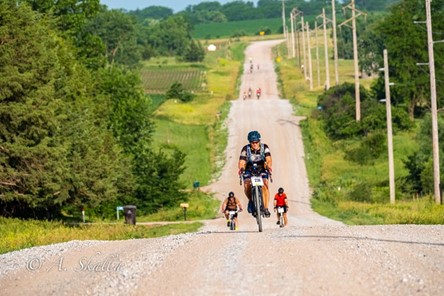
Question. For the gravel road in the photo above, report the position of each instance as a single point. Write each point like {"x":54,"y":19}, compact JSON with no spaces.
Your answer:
{"x":313,"y":255}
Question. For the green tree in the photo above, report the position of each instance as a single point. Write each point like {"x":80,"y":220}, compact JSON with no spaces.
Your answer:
{"x":50,"y":137}
{"x":156,"y":174}
{"x":171,"y":36}
{"x":118,"y":32}
{"x":152,"y":12}
{"x":70,"y":15}
{"x":194,"y":53}
{"x":420,"y":163}
{"x":406,"y":43}
{"x":32,"y":163}
{"x":239,"y":10}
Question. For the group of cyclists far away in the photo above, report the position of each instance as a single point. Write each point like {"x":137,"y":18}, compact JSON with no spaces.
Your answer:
{"x":255,"y":160}
{"x":249,"y":94}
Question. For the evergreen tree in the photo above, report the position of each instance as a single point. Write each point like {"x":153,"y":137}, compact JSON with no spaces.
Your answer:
{"x":55,"y":150}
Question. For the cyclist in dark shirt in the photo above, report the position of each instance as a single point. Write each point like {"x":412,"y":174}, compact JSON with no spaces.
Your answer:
{"x":255,"y":153}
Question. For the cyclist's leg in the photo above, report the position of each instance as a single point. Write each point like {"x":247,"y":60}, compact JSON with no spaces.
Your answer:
{"x":285,"y":217}
{"x":247,"y":188}
{"x":247,"y":191}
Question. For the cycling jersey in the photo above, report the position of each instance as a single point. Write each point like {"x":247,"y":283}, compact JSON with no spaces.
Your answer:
{"x":257,"y":157}
{"x":280,"y":199}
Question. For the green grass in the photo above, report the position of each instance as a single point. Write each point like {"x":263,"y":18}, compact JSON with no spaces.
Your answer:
{"x":200,"y":207}
{"x":191,"y":139}
{"x":18,"y":234}
{"x":156,"y":100}
{"x":419,"y":211}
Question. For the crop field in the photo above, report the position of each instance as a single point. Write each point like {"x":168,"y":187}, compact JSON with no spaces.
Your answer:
{"x":159,"y":81}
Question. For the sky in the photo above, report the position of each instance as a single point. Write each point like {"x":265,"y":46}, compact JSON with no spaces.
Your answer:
{"x":176,"y":5}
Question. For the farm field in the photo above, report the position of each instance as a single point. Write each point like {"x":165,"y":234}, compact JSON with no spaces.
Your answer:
{"x":159,"y":80}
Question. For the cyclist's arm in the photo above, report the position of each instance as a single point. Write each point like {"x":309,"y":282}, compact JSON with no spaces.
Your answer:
{"x":239,"y":205}
{"x":242,"y":164}
{"x":268,"y":162}
{"x":224,"y":205}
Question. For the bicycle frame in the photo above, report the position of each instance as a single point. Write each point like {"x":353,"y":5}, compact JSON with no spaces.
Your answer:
{"x":232,"y":215}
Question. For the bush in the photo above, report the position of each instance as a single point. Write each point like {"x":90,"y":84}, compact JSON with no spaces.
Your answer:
{"x":361,"y":192}
{"x":369,"y":149}
{"x":177,"y":91}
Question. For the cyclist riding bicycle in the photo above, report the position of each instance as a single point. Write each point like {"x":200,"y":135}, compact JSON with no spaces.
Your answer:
{"x":280,"y":200}
{"x":255,"y":153}
{"x":231,"y":203}
{"x":258,"y":92}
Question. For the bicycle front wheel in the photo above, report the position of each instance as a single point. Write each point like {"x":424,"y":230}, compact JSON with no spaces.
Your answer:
{"x":232,"y":224}
{"x":258,"y":201}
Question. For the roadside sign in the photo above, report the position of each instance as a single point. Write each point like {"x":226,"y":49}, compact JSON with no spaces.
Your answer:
{"x":117,"y":211}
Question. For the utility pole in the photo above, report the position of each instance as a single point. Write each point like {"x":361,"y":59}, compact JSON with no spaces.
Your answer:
{"x":292,"y":33}
{"x":436,"y":173}
{"x":284,"y":26}
{"x":293,"y":16}
{"x":355,"y":55}
{"x":388,"y":107}
{"x":317,"y":54}
{"x":295,"y":12}
{"x":335,"y":42}
{"x":310,"y":66}
{"x":304,"y":48}
{"x":327,"y":68}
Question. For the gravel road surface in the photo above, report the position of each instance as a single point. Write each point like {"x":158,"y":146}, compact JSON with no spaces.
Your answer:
{"x":313,"y":255}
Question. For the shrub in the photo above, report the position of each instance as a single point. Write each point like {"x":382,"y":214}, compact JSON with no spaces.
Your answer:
{"x":177,"y":91}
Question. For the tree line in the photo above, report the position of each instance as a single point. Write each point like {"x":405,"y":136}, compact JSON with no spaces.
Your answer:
{"x":214,"y":11}
{"x":75,"y":126}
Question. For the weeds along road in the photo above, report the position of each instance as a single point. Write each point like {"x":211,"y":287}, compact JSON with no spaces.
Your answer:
{"x":311,"y":256}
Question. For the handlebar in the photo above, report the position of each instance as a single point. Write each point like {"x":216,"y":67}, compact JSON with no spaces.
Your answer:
{"x":241,"y":176}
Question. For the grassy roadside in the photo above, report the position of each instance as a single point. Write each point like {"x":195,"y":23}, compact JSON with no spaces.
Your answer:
{"x":336,"y":181}
{"x":18,"y":234}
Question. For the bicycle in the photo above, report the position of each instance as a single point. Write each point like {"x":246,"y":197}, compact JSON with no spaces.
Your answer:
{"x":281,"y":211}
{"x":256,"y":193}
{"x":232,"y":215}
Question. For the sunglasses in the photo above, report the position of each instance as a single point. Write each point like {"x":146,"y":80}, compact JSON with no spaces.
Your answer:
{"x":254,"y":142}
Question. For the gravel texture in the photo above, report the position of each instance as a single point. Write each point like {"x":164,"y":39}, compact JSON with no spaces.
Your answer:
{"x":313,"y":255}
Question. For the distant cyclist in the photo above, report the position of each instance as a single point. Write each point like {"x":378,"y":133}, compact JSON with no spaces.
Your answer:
{"x":280,"y":200}
{"x":255,"y":153}
{"x":231,"y":203}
